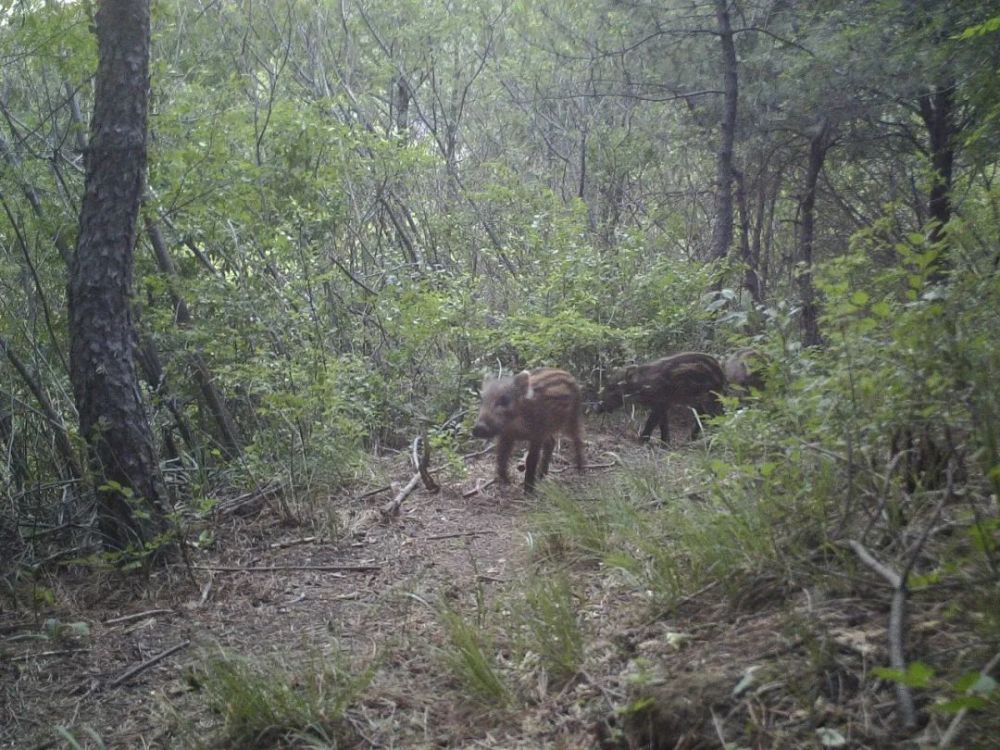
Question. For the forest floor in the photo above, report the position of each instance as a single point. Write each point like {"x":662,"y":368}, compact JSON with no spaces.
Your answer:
{"x":370,"y":597}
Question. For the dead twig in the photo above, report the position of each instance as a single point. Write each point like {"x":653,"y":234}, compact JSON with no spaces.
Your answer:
{"x":897,"y":616}
{"x":372,"y":493}
{"x":391,"y":508}
{"x":138,"y":616}
{"x":287,"y":568}
{"x":490,"y":579}
{"x":238,"y":504}
{"x":44,"y":654}
{"x":476,"y":454}
{"x":609,"y":465}
{"x":422,"y":462}
{"x":457,"y":534}
{"x":420,"y":455}
{"x":293,"y":542}
{"x":140,"y":668}
{"x":897,"y":611}
{"x":480,"y":486}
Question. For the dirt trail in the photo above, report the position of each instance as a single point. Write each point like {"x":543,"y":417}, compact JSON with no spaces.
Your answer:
{"x":370,"y":594}
{"x":440,"y":548}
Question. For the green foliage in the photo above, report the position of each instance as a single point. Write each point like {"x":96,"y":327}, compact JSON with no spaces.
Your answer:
{"x":668,"y":543}
{"x":971,"y":691}
{"x":570,"y":528}
{"x":471,"y":656}
{"x":551,"y":627}
{"x":74,"y":744}
{"x":261,"y":702}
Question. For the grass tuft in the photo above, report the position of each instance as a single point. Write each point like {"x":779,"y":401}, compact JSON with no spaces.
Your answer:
{"x":262,"y":703}
{"x":470,"y":655}
{"x":551,"y":626}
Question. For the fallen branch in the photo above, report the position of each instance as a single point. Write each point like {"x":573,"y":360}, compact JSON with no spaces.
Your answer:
{"x":140,"y":668}
{"x":138,"y":616}
{"x":897,"y":615}
{"x":563,"y":469}
{"x":238,"y":504}
{"x":609,"y":465}
{"x":42,"y":654}
{"x":420,"y":455}
{"x":457,"y":534}
{"x":287,"y":568}
{"x":423,"y":462}
{"x":372,"y":493}
{"x":480,"y":486}
{"x":391,"y":508}
{"x":293,"y":542}
{"x":490,"y":579}
{"x":483,"y":452}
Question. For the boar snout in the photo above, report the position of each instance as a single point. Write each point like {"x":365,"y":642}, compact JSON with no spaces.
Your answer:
{"x":482,"y":430}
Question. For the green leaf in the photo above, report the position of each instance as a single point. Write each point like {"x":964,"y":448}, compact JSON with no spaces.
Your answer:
{"x":968,"y":702}
{"x":976,"y":683}
{"x":881,"y":309}
{"x":917,"y":675}
{"x":987,"y":27}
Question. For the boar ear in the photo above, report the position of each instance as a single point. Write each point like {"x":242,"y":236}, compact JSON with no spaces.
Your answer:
{"x":630,"y":374}
{"x":522,"y":384}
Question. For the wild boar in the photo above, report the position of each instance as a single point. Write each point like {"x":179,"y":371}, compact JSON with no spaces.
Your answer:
{"x":688,"y":379}
{"x":532,"y":406}
{"x":744,"y":371}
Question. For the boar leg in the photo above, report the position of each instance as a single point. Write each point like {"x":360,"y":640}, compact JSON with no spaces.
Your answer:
{"x":696,"y":428}
{"x":665,"y":425}
{"x":651,"y":421}
{"x":505,"y":446}
{"x":531,"y":464}
{"x":577,"y":447}
{"x":547,"y":447}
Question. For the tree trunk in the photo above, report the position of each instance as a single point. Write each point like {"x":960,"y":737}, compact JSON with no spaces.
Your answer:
{"x":722,"y":232}
{"x":936,"y":110}
{"x":817,"y":153}
{"x":64,"y":445}
{"x":751,"y":278}
{"x":113,"y":419}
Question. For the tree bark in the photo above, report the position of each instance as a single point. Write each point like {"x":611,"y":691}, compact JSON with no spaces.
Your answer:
{"x":751,"y":278}
{"x":722,"y":231}
{"x":937,"y":111}
{"x":113,"y":420}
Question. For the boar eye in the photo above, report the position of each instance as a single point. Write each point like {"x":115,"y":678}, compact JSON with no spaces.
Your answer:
{"x":503,"y":401}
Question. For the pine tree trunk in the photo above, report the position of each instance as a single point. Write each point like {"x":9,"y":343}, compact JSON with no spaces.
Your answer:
{"x":937,"y":112}
{"x":113,"y":419}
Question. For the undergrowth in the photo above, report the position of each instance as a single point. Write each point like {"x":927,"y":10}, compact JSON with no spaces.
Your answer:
{"x":266,"y":702}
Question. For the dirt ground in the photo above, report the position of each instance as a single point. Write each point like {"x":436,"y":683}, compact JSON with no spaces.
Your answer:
{"x":117,"y":657}
{"x":269,"y":587}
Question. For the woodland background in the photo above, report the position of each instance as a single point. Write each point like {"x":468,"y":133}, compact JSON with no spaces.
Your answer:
{"x":354,"y":209}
